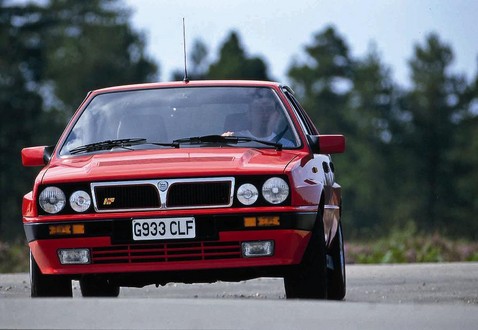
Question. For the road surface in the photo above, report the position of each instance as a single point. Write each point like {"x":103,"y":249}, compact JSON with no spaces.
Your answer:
{"x":418,"y":296}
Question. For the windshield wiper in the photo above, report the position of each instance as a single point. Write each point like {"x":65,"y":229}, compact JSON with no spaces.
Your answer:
{"x":120,"y":143}
{"x":226,"y":139}
{"x":107,"y":145}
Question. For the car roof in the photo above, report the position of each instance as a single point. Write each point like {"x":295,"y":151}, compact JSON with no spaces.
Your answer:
{"x":193,"y":83}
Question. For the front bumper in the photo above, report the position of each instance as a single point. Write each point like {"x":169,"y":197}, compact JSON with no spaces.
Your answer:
{"x":217,"y":245}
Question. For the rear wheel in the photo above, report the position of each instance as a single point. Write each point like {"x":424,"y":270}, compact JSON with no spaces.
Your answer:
{"x":336,"y":273}
{"x":48,"y":285}
{"x":98,"y":287}
{"x":309,"y":281}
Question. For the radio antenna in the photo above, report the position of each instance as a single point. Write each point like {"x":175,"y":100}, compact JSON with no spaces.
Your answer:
{"x":186,"y":78}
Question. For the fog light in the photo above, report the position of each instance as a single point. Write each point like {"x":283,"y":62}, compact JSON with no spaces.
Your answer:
{"x":258,"y":249}
{"x":74,"y":256}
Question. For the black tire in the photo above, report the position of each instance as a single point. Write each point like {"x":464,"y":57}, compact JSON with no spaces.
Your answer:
{"x":309,"y":280}
{"x":48,"y":285}
{"x":98,"y":287}
{"x":336,"y":283}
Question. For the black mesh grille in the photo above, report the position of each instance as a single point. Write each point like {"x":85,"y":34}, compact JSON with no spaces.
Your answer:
{"x":127,"y":197}
{"x":174,"y":193}
{"x":199,"y":194}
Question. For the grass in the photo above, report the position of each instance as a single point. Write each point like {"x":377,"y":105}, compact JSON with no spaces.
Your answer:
{"x":14,"y":257}
{"x":408,"y":246}
{"x":401,"y":246}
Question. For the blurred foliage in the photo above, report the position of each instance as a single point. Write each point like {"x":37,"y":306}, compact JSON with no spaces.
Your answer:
{"x":52,"y":54}
{"x":14,"y":257}
{"x":405,"y":158}
{"x":407,"y":245}
{"x":233,"y":63}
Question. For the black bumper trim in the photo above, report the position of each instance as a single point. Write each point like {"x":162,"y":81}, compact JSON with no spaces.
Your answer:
{"x":207,"y":227}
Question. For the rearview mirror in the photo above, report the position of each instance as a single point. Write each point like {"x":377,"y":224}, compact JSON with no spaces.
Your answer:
{"x":36,"y":156}
{"x":327,"y":144}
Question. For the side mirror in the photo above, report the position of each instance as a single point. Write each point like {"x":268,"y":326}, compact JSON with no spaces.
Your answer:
{"x":36,"y":156}
{"x":327,"y":144}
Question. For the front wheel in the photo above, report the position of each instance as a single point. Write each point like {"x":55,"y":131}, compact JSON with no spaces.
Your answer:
{"x":309,"y":281}
{"x":48,"y":285}
{"x":336,"y":272}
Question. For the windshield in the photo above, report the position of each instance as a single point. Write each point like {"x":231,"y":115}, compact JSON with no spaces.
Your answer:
{"x":163,"y":117}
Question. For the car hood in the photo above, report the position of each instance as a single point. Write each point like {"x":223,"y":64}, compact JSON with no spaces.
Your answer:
{"x":168,"y":163}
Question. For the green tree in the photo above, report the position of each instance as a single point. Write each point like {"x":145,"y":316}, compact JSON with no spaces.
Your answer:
{"x":198,"y":63}
{"x":465,"y":207}
{"x":465,"y":156}
{"x":435,"y":110}
{"x":51,"y":55}
{"x":93,"y":42}
{"x":366,"y":170}
{"x":20,"y":106}
{"x":233,"y":62}
{"x":323,"y":81}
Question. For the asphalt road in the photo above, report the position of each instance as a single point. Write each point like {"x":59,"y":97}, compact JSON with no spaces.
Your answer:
{"x":417,"y":296}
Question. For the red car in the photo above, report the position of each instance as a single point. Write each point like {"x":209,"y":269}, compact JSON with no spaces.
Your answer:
{"x":186,"y":182}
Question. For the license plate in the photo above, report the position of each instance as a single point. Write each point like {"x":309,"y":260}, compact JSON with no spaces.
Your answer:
{"x":161,"y":229}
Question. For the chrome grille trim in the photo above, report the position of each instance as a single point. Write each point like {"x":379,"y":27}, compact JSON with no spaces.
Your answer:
{"x":162,"y":188}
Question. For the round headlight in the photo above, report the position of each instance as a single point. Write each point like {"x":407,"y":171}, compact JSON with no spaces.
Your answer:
{"x":52,"y":200}
{"x":247,"y":194}
{"x":80,"y":201}
{"x":275,"y":190}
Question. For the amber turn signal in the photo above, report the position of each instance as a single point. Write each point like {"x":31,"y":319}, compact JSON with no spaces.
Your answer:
{"x":262,"y":221}
{"x":76,"y":229}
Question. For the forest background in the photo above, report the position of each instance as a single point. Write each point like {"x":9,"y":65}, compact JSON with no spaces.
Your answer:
{"x":409,"y":173}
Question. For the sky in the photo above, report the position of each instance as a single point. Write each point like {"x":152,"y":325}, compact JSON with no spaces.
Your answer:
{"x":278,"y":30}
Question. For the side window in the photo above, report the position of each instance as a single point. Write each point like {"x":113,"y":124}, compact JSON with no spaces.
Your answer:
{"x":304,"y":119}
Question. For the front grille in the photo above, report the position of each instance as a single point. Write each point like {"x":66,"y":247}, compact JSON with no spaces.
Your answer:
{"x":162,"y":194}
{"x":141,"y":196}
{"x":165,"y":252}
{"x":199,"y":194}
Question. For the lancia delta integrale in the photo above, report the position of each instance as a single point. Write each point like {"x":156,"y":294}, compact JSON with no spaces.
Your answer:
{"x":186,"y":182}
